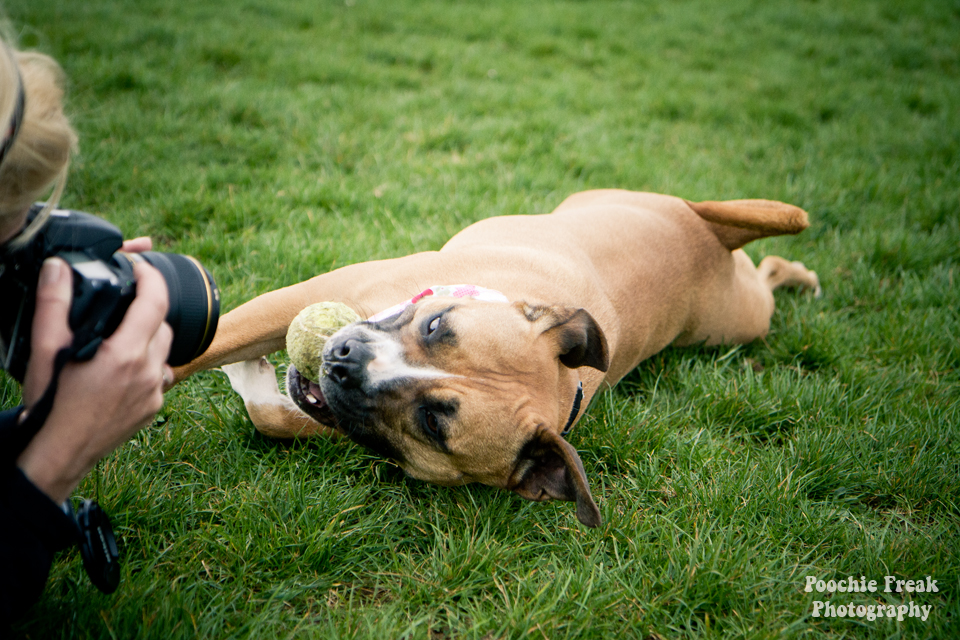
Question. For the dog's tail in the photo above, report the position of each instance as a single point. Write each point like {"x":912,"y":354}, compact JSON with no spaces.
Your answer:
{"x":737,"y":222}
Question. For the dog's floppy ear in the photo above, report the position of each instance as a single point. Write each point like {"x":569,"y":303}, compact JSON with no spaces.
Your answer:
{"x":548,"y":468}
{"x":579,"y":339}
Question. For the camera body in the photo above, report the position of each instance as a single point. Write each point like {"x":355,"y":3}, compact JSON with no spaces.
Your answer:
{"x":103,"y":288}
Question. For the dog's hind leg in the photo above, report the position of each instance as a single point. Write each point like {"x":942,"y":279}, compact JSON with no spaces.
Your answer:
{"x":737,"y":222}
{"x":776,"y":272}
{"x":737,"y":306}
{"x":272,"y":413}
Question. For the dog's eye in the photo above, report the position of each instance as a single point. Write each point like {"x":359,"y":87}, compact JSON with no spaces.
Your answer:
{"x":435,"y":418}
{"x":430,"y":422}
{"x":435,"y":330}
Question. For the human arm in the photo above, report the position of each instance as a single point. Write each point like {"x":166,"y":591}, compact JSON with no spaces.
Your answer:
{"x":33,"y":529}
{"x":99,"y":404}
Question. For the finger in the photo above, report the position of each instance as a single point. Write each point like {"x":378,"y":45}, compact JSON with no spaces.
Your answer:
{"x":157,"y":372}
{"x":159,"y":349}
{"x":146,"y":312}
{"x":51,"y":329}
{"x":137,"y":245}
{"x":168,"y":377}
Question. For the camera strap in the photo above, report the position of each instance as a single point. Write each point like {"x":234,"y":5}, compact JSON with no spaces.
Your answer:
{"x":18,"y":437}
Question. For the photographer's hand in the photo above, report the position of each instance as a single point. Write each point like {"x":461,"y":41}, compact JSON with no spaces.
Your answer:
{"x":100,"y":403}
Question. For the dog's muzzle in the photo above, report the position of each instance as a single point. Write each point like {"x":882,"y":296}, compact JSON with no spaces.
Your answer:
{"x":344,"y":378}
{"x":340,"y":396}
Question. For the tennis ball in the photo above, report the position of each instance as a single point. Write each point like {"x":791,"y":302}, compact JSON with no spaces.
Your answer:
{"x":309,"y":332}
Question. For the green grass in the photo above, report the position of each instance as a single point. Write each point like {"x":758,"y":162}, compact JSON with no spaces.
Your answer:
{"x":277,"y":140}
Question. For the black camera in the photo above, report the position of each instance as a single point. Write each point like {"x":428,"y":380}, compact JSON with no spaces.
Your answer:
{"x":103,"y":288}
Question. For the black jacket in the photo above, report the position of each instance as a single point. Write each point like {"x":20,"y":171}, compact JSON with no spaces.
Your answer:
{"x":32,"y":529}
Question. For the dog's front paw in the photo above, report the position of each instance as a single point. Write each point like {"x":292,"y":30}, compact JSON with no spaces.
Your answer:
{"x":252,"y":379}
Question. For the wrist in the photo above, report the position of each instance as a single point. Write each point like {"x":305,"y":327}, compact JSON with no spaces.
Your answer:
{"x":55,"y":468}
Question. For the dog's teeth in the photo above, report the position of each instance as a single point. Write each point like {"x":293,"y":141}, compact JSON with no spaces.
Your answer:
{"x":310,"y":398}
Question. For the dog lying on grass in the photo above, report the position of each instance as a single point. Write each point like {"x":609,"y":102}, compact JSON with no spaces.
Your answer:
{"x":479,"y":382}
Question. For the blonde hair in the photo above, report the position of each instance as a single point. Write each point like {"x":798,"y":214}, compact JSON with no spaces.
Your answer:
{"x":40,"y":155}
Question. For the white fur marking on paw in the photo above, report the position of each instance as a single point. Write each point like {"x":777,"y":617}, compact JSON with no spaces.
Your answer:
{"x":255,"y":381}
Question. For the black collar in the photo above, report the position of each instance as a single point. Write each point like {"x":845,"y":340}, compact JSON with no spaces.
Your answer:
{"x":575,"y":411}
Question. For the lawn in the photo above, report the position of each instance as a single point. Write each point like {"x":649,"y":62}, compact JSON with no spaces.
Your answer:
{"x":275,"y":140}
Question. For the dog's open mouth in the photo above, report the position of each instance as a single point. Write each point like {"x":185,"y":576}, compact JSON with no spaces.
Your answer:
{"x":313,"y":394}
{"x":309,"y":397}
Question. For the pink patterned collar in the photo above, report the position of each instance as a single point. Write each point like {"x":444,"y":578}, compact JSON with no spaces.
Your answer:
{"x":449,"y":291}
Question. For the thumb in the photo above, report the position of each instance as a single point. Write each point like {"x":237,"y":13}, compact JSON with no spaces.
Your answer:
{"x":51,"y":329}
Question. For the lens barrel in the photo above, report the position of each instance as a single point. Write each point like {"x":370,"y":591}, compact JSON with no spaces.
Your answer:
{"x":194,"y":304}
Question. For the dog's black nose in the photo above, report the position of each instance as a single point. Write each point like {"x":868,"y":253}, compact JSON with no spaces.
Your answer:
{"x":345,"y":361}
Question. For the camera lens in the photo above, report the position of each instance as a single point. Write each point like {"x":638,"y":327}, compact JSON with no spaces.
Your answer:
{"x":194,"y":304}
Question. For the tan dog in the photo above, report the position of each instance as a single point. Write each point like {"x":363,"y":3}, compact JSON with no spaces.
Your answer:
{"x":466,"y":390}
